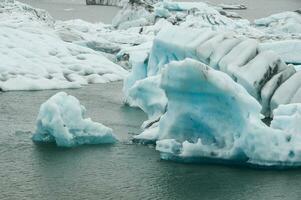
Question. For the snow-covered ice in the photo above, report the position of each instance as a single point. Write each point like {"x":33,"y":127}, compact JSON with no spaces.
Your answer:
{"x":34,"y":57}
{"x":61,"y":120}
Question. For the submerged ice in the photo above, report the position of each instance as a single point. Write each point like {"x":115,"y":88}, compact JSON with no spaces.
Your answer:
{"x":61,"y":120}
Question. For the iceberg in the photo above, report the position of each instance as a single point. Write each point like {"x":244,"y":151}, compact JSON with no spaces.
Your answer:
{"x":208,"y":81}
{"x":61,"y":120}
{"x":261,"y":73}
{"x":211,"y":118}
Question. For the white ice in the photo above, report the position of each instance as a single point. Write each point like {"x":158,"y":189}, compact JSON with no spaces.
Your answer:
{"x":33,"y":55}
{"x":61,"y":120}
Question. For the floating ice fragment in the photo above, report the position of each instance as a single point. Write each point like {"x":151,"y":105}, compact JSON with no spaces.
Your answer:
{"x":61,"y":120}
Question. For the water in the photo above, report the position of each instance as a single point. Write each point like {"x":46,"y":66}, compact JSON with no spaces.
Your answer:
{"x":65,"y":10}
{"x":121,"y":171}
{"x":75,"y":9}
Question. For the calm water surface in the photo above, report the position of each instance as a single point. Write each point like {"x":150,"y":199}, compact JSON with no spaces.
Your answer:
{"x":70,"y":9}
{"x":120,"y":171}
{"x":75,"y":9}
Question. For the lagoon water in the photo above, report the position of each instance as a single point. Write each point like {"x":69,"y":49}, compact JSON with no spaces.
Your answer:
{"x":75,"y":9}
{"x":120,"y":171}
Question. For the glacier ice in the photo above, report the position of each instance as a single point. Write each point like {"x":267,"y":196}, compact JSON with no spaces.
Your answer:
{"x":289,"y":50}
{"x":34,"y":56}
{"x":147,"y":95}
{"x":287,"y":118}
{"x":61,"y":120}
{"x":261,"y":73}
{"x":211,"y":117}
{"x":285,"y":22}
{"x":288,"y":92}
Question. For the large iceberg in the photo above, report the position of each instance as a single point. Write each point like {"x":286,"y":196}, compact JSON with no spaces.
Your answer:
{"x":61,"y":120}
{"x":261,"y":72}
{"x":206,"y":81}
{"x":211,"y":118}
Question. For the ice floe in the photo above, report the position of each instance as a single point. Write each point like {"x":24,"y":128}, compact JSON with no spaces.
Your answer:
{"x":61,"y":120}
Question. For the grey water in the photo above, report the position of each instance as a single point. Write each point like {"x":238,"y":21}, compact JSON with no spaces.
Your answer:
{"x":75,"y":9}
{"x":66,"y":10}
{"x":121,"y":171}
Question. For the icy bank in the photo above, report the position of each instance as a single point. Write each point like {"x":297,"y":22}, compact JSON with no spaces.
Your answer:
{"x":34,"y":56}
{"x":211,"y":117}
{"x":61,"y":120}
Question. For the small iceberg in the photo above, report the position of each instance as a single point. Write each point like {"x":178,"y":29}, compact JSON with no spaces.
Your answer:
{"x":61,"y":120}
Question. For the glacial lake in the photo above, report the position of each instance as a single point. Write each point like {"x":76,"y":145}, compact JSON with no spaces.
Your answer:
{"x":120,"y":171}
{"x":75,"y":9}
{"x":124,"y":170}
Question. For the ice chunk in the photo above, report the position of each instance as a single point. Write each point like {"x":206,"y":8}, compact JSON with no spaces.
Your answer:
{"x":233,"y":6}
{"x":209,"y":116}
{"x":61,"y":120}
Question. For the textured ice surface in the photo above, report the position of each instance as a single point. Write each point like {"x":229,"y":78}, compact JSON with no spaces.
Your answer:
{"x":147,"y":95}
{"x":33,"y":55}
{"x":261,"y":73}
{"x":288,"y":92}
{"x":288,"y":118}
{"x":196,"y":112}
{"x":61,"y":120}
{"x":285,"y":22}
{"x":289,"y":50}
{"x":210,"y":116}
